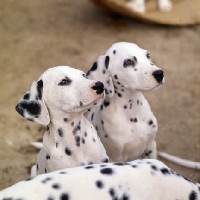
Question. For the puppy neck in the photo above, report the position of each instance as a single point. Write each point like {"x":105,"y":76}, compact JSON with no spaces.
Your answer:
{"x":122,"y":94}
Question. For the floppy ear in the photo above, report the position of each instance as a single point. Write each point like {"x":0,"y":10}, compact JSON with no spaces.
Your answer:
{"x":32,"y":107}
{"x":100,"y":72}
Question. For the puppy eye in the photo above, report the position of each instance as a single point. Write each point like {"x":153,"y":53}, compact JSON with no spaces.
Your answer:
{"x":65,"y":81}
{"x":148,"y":56}
{"x":128,"y":62}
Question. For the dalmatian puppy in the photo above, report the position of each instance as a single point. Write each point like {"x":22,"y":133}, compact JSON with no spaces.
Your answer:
{"x":58,"y":100}
{"x":139,"y":5}
{"x":124,"y":121}
{"x":139,"y":180}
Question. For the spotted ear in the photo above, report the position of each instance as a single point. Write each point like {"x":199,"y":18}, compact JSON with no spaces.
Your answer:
{"x":100,"y":72}
{"x":32,"y":107}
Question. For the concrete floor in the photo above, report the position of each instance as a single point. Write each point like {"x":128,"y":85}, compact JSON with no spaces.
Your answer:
{"x":36,"y":35}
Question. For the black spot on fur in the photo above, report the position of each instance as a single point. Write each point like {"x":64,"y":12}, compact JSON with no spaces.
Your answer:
{"x":165,"y":171}
{"x":134,"y":166}
{"x":64,"y":196}
{"x":135,"y":59}
{"x":148,"y":153}
{"x":33,"y":108}
{"x":92,"y":116}
{"x":77,"y":139}
{"x":29,"y":179}
{"x":115,"y":76}
{"x":150,"y":122}
{"x":107,"y":62}
{"x":50,"y":198}
{"x":101,"y":107}
{"x":106,"y":91}
{"x":83,"y":140}
{"x":119,"y":163}
{"x":46,"y":180}
{"x":112,"y":192}
{"x":72,"y":124}
{"x":68,"y":151}
{"x":114,"y":52}
{"x":85,"y":134}
{"x":63,"y":172}
{"x":26,"y":96}
{"x":57,"y":144}
{"x":39,"y":88}
{"x":193,"y":196}
{"x":104,"y":71}
{"x":65,"y":119}
{"x":125,"y":197}
{"x":133,"y":120}
{"x":105,"y":160}
{"x":93,"y":140}
{"x":99,"y":184}
{"x":125,"y":107}
{"x":56,"y":186}
{"x":106,"y":103}
{"x":81,"y":103}
{"x":89,"y":167}
{"x":154,"y":167}
{"x":119,"y":95}
{"x":107,"y":171}
{"x":47,"y":157}
{"x":138,"y":102}
{"x":60,"y":132}
{"x":94,"y":67}
{"x":76,"y":128}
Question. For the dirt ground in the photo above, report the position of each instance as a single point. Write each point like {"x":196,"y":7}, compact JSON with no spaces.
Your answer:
{"x":36,"y":35}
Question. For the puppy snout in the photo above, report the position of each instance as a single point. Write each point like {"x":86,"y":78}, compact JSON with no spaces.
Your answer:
{"x":158,"y":75}
{"x":99,"y":87}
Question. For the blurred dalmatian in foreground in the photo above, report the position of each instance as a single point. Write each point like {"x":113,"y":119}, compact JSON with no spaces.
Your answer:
{"x":58,"y":100}
{"x":137,"y":180}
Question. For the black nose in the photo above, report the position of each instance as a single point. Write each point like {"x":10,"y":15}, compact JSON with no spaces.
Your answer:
{"x":99,"y":87}
{"x":158,"y":75}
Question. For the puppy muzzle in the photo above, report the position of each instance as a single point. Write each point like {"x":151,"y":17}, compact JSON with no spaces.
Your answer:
{"x":158,"y":75}
{"x":99,"y":87}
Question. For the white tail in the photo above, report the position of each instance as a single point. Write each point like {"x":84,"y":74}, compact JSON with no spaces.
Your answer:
{"x":180,"y":161}
{"x":37,"y":145}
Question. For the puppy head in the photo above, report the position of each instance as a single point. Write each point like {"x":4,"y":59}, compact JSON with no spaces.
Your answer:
{"x":127,"y":66}
{"x":59,"y":89}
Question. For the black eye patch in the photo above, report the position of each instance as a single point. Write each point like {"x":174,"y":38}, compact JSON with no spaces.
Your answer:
{"x":127,"y":63}
{"x":130,"y":63}
{"x":65,"y":81}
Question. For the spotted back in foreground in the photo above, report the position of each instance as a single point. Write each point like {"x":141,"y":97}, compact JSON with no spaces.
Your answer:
{"x":137,"y":180}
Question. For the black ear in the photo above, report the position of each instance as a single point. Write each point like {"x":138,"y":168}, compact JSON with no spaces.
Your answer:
{"x":100,"y":72}
{"x":32,"y":107}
